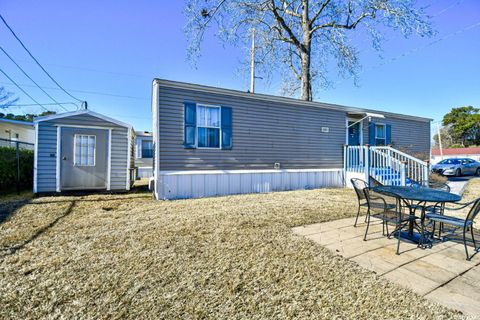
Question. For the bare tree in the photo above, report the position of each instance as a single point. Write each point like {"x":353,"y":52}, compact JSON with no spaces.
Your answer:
{"x":5,"y":98}
{"x":302,"y":38}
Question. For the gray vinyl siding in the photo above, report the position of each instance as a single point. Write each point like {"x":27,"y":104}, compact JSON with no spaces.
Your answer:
{"x":266,"y":131}
{"x":263,"y":133}
{"x":410,"y":136}
{"x":47,"y":149}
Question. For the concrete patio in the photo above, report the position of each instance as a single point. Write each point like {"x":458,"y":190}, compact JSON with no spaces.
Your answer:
{"x":440,"y":274}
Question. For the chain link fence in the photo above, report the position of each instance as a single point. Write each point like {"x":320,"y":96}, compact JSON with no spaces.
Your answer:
{"x":16,"y":165}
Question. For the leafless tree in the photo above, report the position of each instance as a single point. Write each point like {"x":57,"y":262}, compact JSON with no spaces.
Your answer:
{"x":5,"y":98}
{"x":302,"y":38}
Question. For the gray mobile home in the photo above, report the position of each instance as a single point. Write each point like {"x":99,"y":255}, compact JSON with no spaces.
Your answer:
{"x":82,"y":150}
{"x":210,"y":141}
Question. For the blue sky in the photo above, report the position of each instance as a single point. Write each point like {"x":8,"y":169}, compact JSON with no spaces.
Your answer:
{"x":108,"y":52}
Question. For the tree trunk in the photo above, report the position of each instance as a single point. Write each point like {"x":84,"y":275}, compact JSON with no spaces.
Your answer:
{"x":306,"y":78}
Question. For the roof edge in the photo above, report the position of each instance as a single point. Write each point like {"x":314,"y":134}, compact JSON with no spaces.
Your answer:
{"x":20,"y":122}
{"x":262,"y":96}
{"x":79,"y":112}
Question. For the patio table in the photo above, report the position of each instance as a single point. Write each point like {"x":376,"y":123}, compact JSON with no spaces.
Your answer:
{"x":415,"y":198}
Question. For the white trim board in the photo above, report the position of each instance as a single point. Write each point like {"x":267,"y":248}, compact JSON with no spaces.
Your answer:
{"x":58,"y":168}
{"x":129,"y":150}
{"x":35,"y":160}
{"x":109,"y":160}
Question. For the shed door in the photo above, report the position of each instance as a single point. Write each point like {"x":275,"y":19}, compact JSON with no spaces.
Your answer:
{"x":84,"y":156}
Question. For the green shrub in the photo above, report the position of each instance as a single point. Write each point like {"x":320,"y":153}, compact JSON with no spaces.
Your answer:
{"x":8,"y":169}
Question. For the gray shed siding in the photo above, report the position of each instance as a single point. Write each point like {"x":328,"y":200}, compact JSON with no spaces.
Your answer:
{"x":266,"y":132}
{"x":47,"y":149}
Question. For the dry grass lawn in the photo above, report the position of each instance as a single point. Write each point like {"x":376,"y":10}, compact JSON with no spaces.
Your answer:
{"x":128,"y":256}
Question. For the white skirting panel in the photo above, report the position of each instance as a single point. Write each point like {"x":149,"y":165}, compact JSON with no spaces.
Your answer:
{"x":144,"y":172}
{"x":197,"y":184}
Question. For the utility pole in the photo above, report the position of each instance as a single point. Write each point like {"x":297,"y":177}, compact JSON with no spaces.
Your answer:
{"x":252,"y":75}
{"x":439,"y":140}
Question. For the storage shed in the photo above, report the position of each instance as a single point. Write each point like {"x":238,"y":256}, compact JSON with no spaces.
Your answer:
{"x":82,"y":150}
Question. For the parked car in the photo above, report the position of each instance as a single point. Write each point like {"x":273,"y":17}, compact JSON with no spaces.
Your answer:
{"x":457,"y":167}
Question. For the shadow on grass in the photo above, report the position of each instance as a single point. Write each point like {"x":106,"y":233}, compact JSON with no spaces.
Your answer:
{"x":14,"y":248}
{"x":8,"y":208}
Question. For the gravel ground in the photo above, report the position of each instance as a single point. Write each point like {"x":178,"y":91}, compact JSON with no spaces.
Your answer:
{"x":128,"y":256}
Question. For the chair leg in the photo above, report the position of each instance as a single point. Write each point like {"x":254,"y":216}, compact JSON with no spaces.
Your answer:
{"x":368,"y":225}
{"x":473,"y":238}
{"x":465,"y":242}
{"x":433,"y":230}
{"x":399,"y":230}
{"x":358,"y":213}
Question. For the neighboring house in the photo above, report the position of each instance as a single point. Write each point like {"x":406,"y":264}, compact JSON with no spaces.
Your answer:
{"x":143,"y":154}
{"x":82,"y":150}
{"x":210,"y":141}
{"x":17,"y":130}
{"x":472,"y":153}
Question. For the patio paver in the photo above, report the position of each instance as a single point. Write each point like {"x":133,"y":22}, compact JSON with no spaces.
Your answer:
{"x":440,"y":274}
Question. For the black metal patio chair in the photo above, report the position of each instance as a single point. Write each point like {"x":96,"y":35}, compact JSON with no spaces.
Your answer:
{"x":389,"y":210}
{"x":431,"y":184}
{"x":436,"y":208}
{"x":359,"y":185}
{"x":467,"y":224}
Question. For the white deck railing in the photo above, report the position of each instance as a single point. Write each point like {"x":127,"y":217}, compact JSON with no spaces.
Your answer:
{"x":387,"y":165}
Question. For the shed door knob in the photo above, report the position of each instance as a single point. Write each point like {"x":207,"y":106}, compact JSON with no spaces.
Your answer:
{"x":64,"y":158}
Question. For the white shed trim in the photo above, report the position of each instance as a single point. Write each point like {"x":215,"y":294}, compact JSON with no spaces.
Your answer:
{"x":109,"y":160}
{"x":35,"y":159}
{"x":129,"y":137}
{"x":59,"y":143}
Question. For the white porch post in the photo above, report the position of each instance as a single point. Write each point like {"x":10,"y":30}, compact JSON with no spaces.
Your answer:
{"x":403,"y":180}
{"x":366,"y":166}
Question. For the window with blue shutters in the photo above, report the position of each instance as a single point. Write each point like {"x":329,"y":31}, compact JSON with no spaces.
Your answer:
{"x":207,"y":126}
{"x":379,"y":134}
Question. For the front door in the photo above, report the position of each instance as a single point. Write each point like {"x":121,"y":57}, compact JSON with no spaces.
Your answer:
{"x":83,"y":158}
{"x":353,"y":133}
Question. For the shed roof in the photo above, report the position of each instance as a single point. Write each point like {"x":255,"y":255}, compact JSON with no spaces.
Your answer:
{"x":79,"y":112}
{"x":456,"y":151}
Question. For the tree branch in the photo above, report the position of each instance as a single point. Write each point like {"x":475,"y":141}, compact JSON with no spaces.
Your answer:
{"x":284,"y":25}
{"x":346,"y":25}
{"x":319,"y":12}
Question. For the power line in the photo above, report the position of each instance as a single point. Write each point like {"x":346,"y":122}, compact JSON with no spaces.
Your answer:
{"x":84,"y":91}
{"x":25,"y":92}
{"x":45,"y":104}
{"x":38,"y":63}
{"x":408,"y":52}
{"x":38,"y":86}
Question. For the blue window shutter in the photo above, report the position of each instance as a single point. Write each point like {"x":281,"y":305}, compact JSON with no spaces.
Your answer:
{"x":190,"y":125}
{"x":388,"y":134}
{"x":371,"y":133}
{"x":227,"y":140}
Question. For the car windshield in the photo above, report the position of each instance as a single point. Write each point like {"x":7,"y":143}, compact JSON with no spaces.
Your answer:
{"x":450,"y":161}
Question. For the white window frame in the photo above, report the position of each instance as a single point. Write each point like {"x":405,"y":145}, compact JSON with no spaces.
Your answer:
{"x":384,"y":132}
{"x":94,"y":150}
{"x":219,"y":126}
